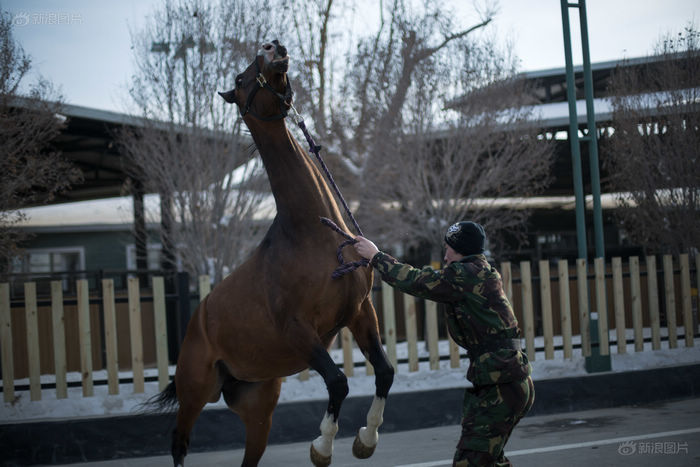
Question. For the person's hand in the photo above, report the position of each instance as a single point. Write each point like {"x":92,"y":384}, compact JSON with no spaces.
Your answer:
{"x":365,"y":248}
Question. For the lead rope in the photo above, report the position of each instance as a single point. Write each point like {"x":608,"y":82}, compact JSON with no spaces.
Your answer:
{"x":344,"y":267}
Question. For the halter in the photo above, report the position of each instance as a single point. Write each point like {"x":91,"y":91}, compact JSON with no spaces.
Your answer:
{"x":285,"y":99}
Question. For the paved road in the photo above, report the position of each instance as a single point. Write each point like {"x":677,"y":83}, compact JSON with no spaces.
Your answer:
{"x":665,"y":434}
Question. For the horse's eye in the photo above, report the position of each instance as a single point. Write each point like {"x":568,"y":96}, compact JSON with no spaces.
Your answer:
{"x":239,"y":80}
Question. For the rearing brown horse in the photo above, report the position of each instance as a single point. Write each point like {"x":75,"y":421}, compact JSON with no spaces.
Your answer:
{"x":280,"y":310}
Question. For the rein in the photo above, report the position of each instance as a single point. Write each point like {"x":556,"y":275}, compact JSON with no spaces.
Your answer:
{"x":286,"y":101}
{"x":344,"y":267}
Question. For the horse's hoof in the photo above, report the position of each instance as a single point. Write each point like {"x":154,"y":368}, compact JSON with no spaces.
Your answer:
{"x":360,"y":450}
{"x":318,"y":459}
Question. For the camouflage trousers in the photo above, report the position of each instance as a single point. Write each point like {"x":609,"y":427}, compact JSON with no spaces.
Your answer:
{"x":489,"y":415}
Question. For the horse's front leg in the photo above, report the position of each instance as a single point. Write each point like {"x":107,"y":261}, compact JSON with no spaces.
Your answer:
{"x":366,"y":331}
{"x":337,"y":384}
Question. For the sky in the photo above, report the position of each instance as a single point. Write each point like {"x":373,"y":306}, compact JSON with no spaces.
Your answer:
{"x":84,"y":48}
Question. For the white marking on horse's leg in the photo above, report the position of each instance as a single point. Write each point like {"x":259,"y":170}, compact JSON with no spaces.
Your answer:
{"x":324,"y":443}
{"x":369,"y":435}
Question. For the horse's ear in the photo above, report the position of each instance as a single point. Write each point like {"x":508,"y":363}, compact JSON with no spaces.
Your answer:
{"x":229,"y":96}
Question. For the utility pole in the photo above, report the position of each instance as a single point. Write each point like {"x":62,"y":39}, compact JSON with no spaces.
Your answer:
{"x":595,"y":362}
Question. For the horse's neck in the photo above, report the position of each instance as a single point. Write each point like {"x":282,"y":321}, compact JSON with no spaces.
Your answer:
{"x":301,"y":194}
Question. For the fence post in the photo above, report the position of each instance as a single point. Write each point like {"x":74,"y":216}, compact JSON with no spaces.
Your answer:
{"x":669,"y":291}
{"x":546,"y":301}
{"x":636,"y":298}
{"x":59,"y":339}
{"x":619,"y":304}
{"x":389,"y":313}
{"x":653,"y":288}
{"x":507,"y":278}
{"x":346,"y":341}
{"x":161,"y":331}
{"x":528,"y":317}
{"x":110,"y":324}
{"x":183,"y":305}
{"x":32,"y":322}
{"x":136,"y":334}
{"x":8,"y":367}
{"x":599,"y":360}
{"x":583,"y":310}
{"x":85,"y":336}
{"x":688,"y":326}
{"x":204,"y":286}
{"x":409,"y":312}
{"x":601,"y":305}
{"x":431,"y":323}
{"x":565,"y":307}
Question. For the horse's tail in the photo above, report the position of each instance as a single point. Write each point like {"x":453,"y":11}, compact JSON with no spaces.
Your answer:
{"x":165,"y":401}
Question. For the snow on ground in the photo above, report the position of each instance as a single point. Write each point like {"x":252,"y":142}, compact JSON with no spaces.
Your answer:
{"x":127,"y":403}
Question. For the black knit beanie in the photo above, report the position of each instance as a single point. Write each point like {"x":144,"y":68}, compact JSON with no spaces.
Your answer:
{"x":466,"y":238}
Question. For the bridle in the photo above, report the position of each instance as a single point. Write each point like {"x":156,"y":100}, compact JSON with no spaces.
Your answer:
{"x":285,"y":99}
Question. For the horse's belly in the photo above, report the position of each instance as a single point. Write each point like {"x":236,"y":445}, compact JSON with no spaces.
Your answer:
{"x":259,"y":362}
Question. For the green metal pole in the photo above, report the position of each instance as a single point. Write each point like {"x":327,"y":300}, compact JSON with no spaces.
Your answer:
{"x":592,"y":135}
{"x":573,"y":136}
{"x":595,"y":362}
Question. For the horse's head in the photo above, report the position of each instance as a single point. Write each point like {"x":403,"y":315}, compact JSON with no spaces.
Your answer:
{"x":268,"y":72}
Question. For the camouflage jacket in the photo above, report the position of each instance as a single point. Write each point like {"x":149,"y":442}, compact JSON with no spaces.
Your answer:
{"x":478,"y":312}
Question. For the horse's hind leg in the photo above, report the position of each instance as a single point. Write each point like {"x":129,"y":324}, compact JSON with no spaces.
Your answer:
{"x":366,"y":331}
{"x":254,"y":404}
{"x":197,"y":383}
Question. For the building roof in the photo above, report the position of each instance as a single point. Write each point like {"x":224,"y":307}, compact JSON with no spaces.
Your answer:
{"x":550,"y":84}
{"x":89,"y":136}
{"x":89,"y":140}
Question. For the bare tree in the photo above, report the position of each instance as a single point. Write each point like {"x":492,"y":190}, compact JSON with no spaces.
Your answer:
{"x":314,"y":27}
{"x":213,"y":200}
{"x":482,"y":165}
{"x":31,"y":171}
{"x":385,"y":123}
{"x":652,"y":156}
{"x":383,"y":75}
{"x":191,"y":148}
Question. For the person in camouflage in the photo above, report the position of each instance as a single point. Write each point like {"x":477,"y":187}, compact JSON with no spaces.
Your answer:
{"x":479,"y":318}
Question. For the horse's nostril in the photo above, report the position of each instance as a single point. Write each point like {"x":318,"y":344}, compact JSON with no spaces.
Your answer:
{"x":267,"y":47}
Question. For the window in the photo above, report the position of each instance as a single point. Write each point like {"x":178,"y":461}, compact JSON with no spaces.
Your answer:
{"x":153,"y":251}
{"x":50,"y":261}
{"x":46,"y":264}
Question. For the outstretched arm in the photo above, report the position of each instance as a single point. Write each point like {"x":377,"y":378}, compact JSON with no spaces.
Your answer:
{"x":426,"y":283}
